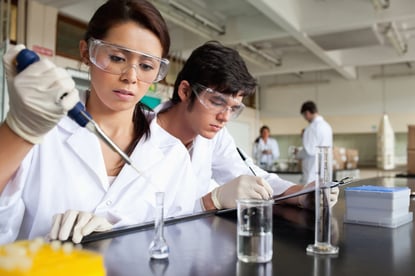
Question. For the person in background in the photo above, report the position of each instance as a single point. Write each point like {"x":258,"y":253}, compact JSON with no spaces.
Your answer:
{"x":54,"y":172}
{"x":208,"y":92}
{"x":317,"y":133}
{"x":265,"y":149}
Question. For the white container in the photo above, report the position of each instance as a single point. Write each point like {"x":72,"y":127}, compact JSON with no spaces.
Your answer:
{"x":377,"y":197}
{"x":376,"y":215}
{"x":385,"y":144}
{"x":379,"y":206}
{"x":382,"y":221}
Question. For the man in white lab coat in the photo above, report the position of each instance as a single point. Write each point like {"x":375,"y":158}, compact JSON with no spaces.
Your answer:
{"x":317,"y":133}
{"x":208,"y":92}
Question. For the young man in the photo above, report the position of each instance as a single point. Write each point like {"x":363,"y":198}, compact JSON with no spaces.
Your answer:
{"x":208,"y":92}
{"x":317,"y":133}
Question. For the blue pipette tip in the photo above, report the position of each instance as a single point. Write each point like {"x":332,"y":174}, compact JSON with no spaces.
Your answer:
{"x":79,"y":114}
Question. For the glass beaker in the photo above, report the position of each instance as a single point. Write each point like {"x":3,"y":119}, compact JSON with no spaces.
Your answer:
{"x":254,"y":230}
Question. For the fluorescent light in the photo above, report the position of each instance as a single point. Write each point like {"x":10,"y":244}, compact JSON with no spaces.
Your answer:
{"x":188,"y":19}
{"x":393,"y":75}
{"x":381,"y":4}
{"x":392,"y":34}
{"x":257,"y":56}
{"x":305,"y":82}
{"x":204,"y":21}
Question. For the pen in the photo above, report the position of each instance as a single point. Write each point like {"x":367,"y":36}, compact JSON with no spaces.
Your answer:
{"x":342,"y":182}
{"x":245,"y":160}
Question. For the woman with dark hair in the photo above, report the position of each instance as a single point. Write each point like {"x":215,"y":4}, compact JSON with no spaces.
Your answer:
{"x":265,"y":149}
{"x":52,"y":167}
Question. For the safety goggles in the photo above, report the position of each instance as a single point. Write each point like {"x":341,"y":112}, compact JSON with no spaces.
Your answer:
{"x":118,"y":60}
{"x":216,"y":102}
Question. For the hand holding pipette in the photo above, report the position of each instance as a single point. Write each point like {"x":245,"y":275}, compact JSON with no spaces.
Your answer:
{"x":38,"y":96}
{"x":49,"y":93}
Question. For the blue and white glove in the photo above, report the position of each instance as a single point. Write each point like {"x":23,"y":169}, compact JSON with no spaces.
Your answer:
{"x":39,"y":96}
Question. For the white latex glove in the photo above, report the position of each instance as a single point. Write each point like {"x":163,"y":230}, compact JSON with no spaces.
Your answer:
{"x":78,"y":224}
{"x":307,"y":201}
{"x":244,"y":186}
{"x":39,"y":96}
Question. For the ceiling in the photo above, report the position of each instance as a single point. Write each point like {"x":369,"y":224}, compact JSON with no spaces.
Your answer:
{"x":288,"y":37}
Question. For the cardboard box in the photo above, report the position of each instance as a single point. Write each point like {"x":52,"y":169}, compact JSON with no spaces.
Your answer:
{"x":411,"y":137}
{"x":352,"y":158}
{"x":339,"y":158}
{"x":411,"y":161}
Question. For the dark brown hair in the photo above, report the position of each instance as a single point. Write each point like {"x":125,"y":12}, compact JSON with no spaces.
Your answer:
{"x":309,"y":106}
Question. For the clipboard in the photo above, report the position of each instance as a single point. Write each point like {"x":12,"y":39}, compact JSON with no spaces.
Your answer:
{"x":116,"y":232}
{"x":342,"y":182}
{"x":277,"y":198}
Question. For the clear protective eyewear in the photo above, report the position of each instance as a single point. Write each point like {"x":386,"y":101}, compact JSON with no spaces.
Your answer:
{"x":118,"y":60}
{"x":216,"y":102}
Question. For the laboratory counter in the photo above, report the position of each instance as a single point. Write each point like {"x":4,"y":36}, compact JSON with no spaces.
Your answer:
{"x":206,"y":245}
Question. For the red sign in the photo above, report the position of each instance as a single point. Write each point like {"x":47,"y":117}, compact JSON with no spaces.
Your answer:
{"x":42,"y":50}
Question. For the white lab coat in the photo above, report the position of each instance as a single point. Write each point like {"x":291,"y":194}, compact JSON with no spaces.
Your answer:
{"x":216,"y":161}
{"x":266,"y":160}
{"x":67,"y":171}
{"x":317,"y":133}
{"x":221,"y":156}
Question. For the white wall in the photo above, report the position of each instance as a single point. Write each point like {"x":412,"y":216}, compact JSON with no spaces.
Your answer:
{"x":245,"y":129}
{"x":349,"y":106}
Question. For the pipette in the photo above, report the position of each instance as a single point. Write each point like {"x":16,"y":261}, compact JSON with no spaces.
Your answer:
{"x":78,"y":113}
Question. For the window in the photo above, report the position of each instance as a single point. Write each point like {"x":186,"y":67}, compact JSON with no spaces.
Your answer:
{"x":69,"y":33}
{"x":9,"y":27}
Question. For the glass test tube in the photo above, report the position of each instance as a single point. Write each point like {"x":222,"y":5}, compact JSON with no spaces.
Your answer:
{"x":158,"y":247}
{"x":322,"y":238}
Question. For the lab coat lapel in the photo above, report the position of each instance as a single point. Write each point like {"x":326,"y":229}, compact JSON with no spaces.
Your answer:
{"x":201,"y":158}
{"x":148,"y":155}
{"x":87,"y":147}
{"x":145,"y":156}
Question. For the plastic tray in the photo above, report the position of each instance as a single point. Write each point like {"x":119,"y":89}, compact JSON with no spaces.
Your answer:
{"x":383,"y":222}
{"x":376,"y":197}
{"x":374,"y":214}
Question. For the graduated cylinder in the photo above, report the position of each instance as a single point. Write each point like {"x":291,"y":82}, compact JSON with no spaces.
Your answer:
{"x":324,"y":170}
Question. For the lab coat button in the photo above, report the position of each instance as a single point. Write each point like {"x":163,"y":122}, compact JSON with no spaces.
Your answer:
{"x":109,"y":202}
